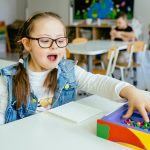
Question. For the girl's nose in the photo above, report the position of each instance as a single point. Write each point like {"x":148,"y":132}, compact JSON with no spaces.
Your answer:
{"x":54,"y":45}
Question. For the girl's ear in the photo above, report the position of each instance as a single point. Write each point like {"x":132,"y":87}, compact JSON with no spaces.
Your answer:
{"x":26,"y":43}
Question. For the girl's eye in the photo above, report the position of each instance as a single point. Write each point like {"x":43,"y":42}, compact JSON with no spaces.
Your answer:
{"x":44,"y":40}
{"x":60,"y":41}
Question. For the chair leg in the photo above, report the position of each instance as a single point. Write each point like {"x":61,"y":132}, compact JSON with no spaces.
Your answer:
{"x":127,"y":72}
{"x":135,"y":77}
{"x":122,"y":74}
{"x":132,"y":73}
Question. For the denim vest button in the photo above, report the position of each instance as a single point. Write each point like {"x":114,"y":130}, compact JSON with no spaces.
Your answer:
{"x":33,"y":100}
{"x":67,"y":86}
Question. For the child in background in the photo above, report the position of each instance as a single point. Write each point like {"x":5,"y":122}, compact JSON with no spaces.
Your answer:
{"x":43,"y":79}
{"x":122,"y":32}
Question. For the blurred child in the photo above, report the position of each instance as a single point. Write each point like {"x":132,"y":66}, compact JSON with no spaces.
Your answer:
{"x":122,"y":32}
{"x":42,"y":79}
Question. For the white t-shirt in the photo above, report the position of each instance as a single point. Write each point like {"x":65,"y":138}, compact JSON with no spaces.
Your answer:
{"x":36,"y":82}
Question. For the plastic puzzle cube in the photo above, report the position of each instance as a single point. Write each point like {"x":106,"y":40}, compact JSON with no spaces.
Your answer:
{"x":133,"y":132}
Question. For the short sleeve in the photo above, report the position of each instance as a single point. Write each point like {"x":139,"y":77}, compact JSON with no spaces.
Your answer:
{"x":129,"y":29}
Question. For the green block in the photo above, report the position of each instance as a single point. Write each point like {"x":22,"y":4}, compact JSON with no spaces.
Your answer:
{"x":103,"y":131}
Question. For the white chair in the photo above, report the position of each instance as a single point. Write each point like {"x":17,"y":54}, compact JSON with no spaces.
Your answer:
{"x":112,"y":55}
{"x":134,"y":47}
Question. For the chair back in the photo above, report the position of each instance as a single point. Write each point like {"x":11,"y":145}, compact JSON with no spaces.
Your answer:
{"x":112,"y":58}
{"x":135,"y":47}
{"x":68,"y":55}
{"x":79,"y":40}
{"x":138,"y":46}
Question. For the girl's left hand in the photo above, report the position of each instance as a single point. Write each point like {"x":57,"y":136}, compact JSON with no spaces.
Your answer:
{"x":137,"y":100}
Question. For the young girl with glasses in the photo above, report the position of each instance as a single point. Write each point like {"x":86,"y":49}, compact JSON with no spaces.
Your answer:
{"x":42,"y":79}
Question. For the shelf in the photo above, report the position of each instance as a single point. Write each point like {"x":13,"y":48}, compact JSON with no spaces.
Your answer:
{"x":83,"y":30}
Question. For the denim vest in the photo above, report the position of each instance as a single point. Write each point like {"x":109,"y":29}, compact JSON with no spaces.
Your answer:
{"x":65,"y":91}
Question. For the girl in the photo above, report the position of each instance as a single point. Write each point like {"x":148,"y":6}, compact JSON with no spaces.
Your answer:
{"x":43,"y":79}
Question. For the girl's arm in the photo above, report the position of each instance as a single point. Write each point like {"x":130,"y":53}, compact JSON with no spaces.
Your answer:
{"x":99,"y":84}
{"x":3,"y":99}
{"x":114,"y":90}
{"x":127,"y":36}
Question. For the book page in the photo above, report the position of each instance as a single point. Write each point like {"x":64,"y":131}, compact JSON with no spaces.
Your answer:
{"x":75,"y":112}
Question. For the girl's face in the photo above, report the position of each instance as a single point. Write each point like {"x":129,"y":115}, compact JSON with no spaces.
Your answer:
{"x":43,"y":59}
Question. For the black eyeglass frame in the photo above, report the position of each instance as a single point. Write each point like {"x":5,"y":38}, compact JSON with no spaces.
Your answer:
{"x":53,"y":40}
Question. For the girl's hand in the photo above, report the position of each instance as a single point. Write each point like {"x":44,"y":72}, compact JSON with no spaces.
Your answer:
{"x":137,"y":100}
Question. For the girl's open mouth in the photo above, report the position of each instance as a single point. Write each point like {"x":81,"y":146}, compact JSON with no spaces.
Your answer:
{"x":52,"y":57}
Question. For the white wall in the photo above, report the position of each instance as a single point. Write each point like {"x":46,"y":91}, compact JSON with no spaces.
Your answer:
{"x":10,"y":10}
{"x":60,"y":7}
{"x":142,"y":12}
{"x":21,"y":9}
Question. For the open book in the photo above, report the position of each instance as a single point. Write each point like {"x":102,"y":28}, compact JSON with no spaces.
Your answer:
{"x":75,"y":111}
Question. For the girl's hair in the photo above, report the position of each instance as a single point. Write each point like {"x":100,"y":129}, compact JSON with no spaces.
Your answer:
{"x":21,"y":85}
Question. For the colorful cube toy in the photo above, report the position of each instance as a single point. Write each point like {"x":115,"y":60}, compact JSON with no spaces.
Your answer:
{"x":133,"y":132}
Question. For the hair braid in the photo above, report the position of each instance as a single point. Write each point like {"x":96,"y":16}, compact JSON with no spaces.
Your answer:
{"x":21,"y":86}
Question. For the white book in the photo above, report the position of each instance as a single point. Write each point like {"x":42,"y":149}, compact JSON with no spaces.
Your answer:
{"x":75,"y":111}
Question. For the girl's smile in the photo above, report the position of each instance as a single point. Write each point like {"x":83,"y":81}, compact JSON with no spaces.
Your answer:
{"x":52,"y":57}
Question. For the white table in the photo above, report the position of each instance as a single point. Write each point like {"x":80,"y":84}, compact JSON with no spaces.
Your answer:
{"x":94,"y":47}
{"x":5,"y":63}
{"x":9,"y":56}
{"x":45,"y":131}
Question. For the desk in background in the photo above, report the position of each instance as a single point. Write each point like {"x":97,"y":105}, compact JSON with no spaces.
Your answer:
{"x":9,"y":56}
{"x":94,"y":47}
{"x":47,"y":131}
{"x":5,"y":63}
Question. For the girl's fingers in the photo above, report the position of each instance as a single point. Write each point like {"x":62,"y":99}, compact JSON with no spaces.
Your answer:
{"x":148,"y":108}
{"x":128,"y":113}
{"x":143,"y":113}
{"x":141,"y":110}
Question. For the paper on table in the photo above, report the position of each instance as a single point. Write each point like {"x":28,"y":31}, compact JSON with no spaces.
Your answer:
{"x":75,"y":112}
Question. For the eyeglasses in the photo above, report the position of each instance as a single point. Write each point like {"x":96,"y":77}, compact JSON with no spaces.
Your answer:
{"x":46,"y":42}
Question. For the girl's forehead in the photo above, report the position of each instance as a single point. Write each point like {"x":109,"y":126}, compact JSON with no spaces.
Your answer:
{"x":48,"y":26}
{"x":47,"y":22}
